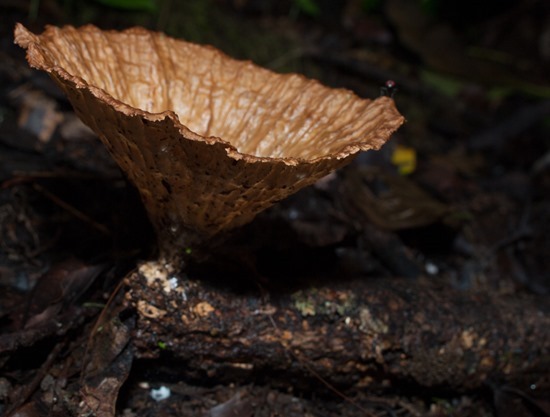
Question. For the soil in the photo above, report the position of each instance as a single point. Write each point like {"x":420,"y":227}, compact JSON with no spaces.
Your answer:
{"x":413,"y":282}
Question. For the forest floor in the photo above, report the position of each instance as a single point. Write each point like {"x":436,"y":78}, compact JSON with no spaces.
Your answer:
{"x":440,"y":240}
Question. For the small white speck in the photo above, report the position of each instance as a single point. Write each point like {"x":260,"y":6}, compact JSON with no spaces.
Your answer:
{"x":173,"y":282}
{"x":160,"y":394}
{"x":293,"y":214}
{"x":347,"y":320}
{"x":533,"y":386}
{"x":431,"y":268}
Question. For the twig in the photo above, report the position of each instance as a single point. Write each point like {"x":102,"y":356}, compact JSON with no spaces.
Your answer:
{"x":74,"y":211}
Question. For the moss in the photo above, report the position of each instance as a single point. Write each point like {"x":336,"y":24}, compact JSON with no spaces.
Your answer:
{"x":323,"y":302}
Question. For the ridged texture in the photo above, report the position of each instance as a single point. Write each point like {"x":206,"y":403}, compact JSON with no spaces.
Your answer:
{"x":209,"y":141}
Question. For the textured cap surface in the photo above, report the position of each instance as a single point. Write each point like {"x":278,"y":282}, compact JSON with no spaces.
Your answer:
{"x":209,"y":141}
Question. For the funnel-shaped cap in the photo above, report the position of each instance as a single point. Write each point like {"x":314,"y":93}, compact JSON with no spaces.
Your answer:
{"x":209,"y":141}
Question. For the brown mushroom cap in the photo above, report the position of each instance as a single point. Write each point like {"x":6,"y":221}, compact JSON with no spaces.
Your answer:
{"x":209,"y":141}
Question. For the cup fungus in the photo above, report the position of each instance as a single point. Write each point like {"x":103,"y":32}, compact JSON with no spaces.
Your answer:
{"x":209,"y":141}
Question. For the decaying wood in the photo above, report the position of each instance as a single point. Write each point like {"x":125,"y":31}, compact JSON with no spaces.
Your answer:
{"x":368,"y":333}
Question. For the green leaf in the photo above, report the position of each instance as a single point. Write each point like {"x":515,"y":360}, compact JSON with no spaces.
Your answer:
{"x":142,"y":5}
{"x":444,"y":84}
{"x":369,"y":6}
{"x":308,"y":7}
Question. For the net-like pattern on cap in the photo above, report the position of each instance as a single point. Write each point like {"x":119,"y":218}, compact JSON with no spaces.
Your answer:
{"x":209,"y":141}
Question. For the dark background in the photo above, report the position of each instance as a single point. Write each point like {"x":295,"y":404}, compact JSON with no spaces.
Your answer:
{"x":472,"y":83}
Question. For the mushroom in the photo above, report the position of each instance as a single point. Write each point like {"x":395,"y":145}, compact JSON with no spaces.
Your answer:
{"x":209,"y":141}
